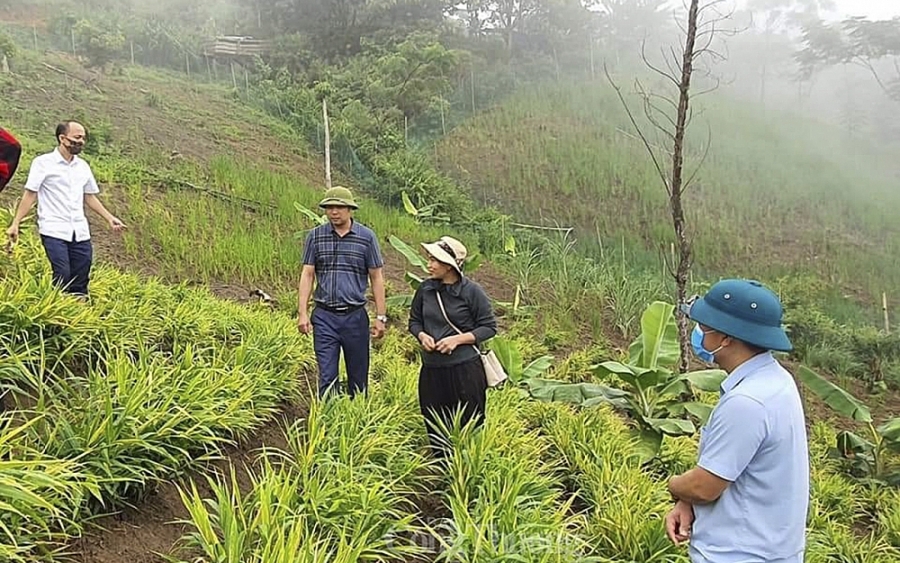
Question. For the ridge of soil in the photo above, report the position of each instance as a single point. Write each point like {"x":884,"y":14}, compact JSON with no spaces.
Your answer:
{"x":144,"y":532}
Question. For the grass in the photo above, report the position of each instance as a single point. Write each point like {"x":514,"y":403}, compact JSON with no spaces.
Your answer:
{"x":539,"y":482}
{"x":778,"y":195}
{"x":105,"y":399}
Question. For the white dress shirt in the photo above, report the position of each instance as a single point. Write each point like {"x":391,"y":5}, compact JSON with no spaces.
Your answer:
{"x":61,"y":186}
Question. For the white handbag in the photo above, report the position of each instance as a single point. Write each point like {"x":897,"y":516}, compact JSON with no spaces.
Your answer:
{"x":493,"y":369}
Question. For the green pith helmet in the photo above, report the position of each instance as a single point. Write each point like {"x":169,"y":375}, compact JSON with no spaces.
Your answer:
{"x":340,"y":196}
{"x":743,"y":309}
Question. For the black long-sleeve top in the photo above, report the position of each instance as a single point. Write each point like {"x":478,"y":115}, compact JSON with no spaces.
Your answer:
{"x":467,"y":306}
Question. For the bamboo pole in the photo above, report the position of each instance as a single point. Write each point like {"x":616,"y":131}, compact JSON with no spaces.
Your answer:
{"x":884,"y":308}
{"x":472,"y":75}
{"x":591,"y":45}
{"x":327,"y":145}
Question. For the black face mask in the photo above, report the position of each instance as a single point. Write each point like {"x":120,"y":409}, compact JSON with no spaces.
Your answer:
{"x":74,"y":147}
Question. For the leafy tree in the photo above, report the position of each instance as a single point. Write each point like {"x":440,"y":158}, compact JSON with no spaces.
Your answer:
{"x":337,"y":28}
{"x":471,"y":12}
{"x":100,"y":43}
{"x":626,"y":24}
{"x":773,"y":20}
{"x":872,"y":45}
{"x":397,"y":82}
{"x":7,"y":51}
{"x":511,"y":17}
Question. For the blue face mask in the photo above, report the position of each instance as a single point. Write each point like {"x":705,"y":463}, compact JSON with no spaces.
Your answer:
{"x":697,"y":344}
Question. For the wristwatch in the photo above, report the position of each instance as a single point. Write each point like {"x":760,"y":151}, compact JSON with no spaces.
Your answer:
{"x":382,"y":318}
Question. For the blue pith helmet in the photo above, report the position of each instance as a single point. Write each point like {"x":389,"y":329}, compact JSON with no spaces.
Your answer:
{"x":745,"y":310}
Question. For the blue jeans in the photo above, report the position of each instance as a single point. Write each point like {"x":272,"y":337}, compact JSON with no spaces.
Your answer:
{"x":71,"y":263}
{"x":333,"y":332}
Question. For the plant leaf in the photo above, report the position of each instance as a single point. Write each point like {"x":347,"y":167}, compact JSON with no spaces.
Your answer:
{"x":509,"y":356}
{"x":409,"y":252}
{"x":617,"y":368}
{"x":399,"y":301}
{"x":537,"y":367}
{"x":472,"y":263}
{"x":575,"y":393}
{"x":890,"y":431}
{"x":841,"y":401}
{"x":310,"y":214}
{"x":647,"y":444}
{"x":700,"y":410}
{"x":675,"y":386}
{"x":623,"y":402}
{"x":709,"y":380}
{"x":509,"y":246}
{"x":631,"y":375}
{"x":408,"y":205}
{"x":659,"y":336}
{"x":671,"y":426}
{"x":851,"y":445}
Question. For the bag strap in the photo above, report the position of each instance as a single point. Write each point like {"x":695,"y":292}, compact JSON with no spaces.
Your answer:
{"x":437,"y":294}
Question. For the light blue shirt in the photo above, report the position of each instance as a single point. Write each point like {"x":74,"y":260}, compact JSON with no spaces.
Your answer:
{"x":756,"y":439}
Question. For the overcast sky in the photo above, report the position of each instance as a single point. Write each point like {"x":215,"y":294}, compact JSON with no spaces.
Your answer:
{"x":875,"y":9}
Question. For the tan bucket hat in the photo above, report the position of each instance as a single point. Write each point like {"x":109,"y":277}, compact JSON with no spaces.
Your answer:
{"x":340,"y":196}
{"x":448,"y":251}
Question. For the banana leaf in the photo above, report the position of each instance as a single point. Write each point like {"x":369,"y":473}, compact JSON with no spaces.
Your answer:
{"x":841,"y":401}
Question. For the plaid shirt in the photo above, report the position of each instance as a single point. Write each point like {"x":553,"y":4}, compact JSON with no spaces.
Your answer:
{"x":342,"y":263}
{"x":10,"y":151}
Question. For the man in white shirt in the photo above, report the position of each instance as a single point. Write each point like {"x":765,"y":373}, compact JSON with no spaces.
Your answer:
{"x":62,"y":184}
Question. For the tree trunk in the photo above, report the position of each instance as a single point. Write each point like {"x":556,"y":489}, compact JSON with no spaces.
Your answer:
{"x":682,"y":270}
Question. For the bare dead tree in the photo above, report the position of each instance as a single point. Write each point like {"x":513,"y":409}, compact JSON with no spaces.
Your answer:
{"x":671,"y":118}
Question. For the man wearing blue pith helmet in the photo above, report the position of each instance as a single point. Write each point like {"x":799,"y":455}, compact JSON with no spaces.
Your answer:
{"x":746,"y":500}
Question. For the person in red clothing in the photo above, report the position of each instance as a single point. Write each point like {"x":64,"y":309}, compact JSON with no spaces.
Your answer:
{"x":10,"y":151}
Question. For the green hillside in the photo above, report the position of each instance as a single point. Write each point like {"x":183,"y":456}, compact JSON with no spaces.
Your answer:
{"x":777,"y":194}
{"x":171,"y":417}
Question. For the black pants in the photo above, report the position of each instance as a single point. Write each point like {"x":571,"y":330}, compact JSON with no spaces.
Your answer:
{"x":445,"y":390}
{"x":71,"y":263}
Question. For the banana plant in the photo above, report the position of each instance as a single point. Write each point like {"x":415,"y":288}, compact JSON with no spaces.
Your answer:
{"x":511,"y":359}
{"x":652,"y":390}
{"x":424,"y":213}
{"x":416,"y":260}
{"x":312,"y":216}
{"x":867,"y":458}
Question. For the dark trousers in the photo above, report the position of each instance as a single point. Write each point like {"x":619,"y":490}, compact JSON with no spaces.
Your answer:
{"x":333,"y":332}
{"x":444,"y":391}
{"x":71,"y":263}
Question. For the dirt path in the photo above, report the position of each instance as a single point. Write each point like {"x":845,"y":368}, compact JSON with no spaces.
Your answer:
{"x":138,"y":534}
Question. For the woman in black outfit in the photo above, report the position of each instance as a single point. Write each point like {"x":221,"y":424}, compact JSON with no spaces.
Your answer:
{"x":452,"y":375}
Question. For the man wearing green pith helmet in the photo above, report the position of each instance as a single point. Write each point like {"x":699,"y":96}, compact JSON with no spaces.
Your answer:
{"x":342,"y":256}
{"x":746,"y":501}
